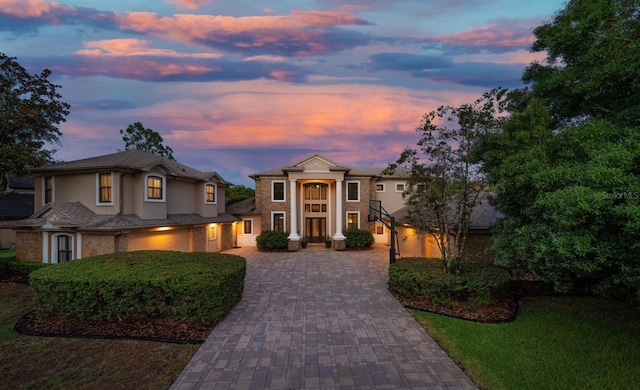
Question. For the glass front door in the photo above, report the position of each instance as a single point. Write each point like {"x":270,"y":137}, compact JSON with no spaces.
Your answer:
{"x":316,"y":229}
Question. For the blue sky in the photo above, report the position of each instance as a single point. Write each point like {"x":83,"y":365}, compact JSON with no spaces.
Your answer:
{"x":243,"y":86}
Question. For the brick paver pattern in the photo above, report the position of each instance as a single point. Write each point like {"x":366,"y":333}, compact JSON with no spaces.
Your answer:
{"x":319,"y":318}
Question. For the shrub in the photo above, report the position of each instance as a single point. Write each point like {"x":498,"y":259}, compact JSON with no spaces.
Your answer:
{"x":425,"y":279}
{"x":13,"y":265}
{"x":270,"y":240}
{"x":358,"y":239}
{"x":195,"y":287}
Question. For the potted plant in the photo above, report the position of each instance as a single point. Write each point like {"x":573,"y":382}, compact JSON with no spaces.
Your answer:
{"x":303,"y":242}
{"x":327,"y":241}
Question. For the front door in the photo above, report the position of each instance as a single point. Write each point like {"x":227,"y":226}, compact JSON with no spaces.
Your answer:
{"x":316,"y":229}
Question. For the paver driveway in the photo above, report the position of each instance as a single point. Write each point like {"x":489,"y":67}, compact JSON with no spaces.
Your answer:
{"x":319,"y":318}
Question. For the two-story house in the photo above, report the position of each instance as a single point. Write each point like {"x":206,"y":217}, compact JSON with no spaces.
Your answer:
{"x":315,"y":198}
{"x":124,"y":201}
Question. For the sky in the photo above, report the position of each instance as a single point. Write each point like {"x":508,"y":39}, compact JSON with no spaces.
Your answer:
{"x":241,"y":86}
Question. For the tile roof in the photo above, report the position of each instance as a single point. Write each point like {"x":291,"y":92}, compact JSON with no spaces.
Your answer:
{"x":15,"y":205}
{"x":127,"y":160}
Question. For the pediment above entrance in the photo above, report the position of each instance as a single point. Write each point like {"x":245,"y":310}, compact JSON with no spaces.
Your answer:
{"x":317,"y":164}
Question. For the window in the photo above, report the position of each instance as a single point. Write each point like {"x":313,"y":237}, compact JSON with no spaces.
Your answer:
{"x":277,"y":222}
{"x":247,"y":227}
{"x":105,"y":188}
{"x":155,"y":188}
{"x":353,"y":191}
{"x":210,"y":193}
{"x":277,"y":191}
{"x":379,"y":227}
{"x":315,"y":191}
{"x":399,"y":187}
{"x":353,"y":220}
{"x":379,"y":187}
{"x":47,"y":190}
{"x":64,"y":248}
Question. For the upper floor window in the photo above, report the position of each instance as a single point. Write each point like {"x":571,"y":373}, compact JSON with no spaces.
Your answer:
{"x":353,"y":191}
{"x":47,"y":189}
{"x":105,"y":188}
{"x":210,"y":193}
{"x":315,"y":191}
{"x":399,"y":187}
{"x":277,"y":191}
{"x":155,"y":188}
{"x":380,"y":187}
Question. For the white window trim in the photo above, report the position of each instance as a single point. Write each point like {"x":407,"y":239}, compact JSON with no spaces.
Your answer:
{"x":215,"y":193}
{"x":248,"y":219}
{"x":54,"y":246}
{"x":44,"y":187}
{"x":346,"y":219}
{"x":383,"y":187}
{"x":284,"y":222}
{"x":146,"y":188}
{"x":404,"y":186}
{"x":284,"y":191}
{"x":347,"y":191}
{"x":98,"y":203}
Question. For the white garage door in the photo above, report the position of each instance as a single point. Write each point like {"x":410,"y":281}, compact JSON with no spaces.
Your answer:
{"x":174,"y":240}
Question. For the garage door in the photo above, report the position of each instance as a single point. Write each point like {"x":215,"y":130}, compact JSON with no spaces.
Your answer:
{"x":174,"y":240}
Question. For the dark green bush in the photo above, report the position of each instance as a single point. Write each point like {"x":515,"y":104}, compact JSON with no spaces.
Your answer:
{"x":425,"y":279}
{"x":12,"y":264}
{"x":195,"y":287}
{"x":270,"y":240}
{"x":358,"y":239}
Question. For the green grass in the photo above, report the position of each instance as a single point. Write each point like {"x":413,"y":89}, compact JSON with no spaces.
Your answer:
{"x":555,"y":343}
{"x":7,"y":252}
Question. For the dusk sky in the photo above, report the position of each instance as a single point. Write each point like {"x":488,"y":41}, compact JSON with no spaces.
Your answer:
{"x":240,"y":86}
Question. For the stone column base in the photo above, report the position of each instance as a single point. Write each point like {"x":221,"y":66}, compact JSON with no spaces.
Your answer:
{"x":339,"y":245}
{"x":293,"y":246}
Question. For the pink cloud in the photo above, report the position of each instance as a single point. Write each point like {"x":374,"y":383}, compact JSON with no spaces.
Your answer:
{"x":490,"y":38}
{"x":189,"y":4}
{"x":134,"y":47}
{"x":49,"y":11}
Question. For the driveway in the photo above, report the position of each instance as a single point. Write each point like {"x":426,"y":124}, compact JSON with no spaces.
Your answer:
{"x":319,"y":318}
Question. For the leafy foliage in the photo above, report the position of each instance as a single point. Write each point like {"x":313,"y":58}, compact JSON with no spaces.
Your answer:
{"x":30,"y":112}
{"x":138,"y":137}
{"x":593,"y":62}
{"x":271,"y":240}
{"x":195,"y":287}
{"x":445,"y":179}
{"x":420,"y":278}
{"x":358,"y":239}
{"x":238,"y":193}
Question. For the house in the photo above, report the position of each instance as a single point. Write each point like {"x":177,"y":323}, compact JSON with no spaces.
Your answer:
{"x":316,"y":197}
{"x":413,"y":243}
{"x":125,"y":201}
{"x":15,"y":203}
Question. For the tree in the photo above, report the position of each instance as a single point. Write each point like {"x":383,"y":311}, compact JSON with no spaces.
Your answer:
{"x":137,"y":137}
{"x":445,"y":179}
{"x":565,"y":165}
{"x":238,"y":193}
{"x":593,"y":62}
{"x":30,"y":113}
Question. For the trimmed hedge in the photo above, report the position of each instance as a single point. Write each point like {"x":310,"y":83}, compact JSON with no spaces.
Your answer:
{"x":425,"y":279}
{"x":270,"y":240}
{"x":12,"y":264}
{"x":358,"y":239}
{"x":195,"y":287}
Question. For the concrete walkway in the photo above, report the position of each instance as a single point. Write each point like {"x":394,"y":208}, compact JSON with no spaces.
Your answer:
{"x":319,"y":318}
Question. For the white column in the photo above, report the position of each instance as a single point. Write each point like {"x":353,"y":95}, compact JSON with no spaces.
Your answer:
{"x":339,"y":235}
{"x":293,"y":236}
{"x":45,"y":247}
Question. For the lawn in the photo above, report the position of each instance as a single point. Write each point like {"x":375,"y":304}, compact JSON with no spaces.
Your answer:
{"x":555,"y":343}
{"x":31,"y":362}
